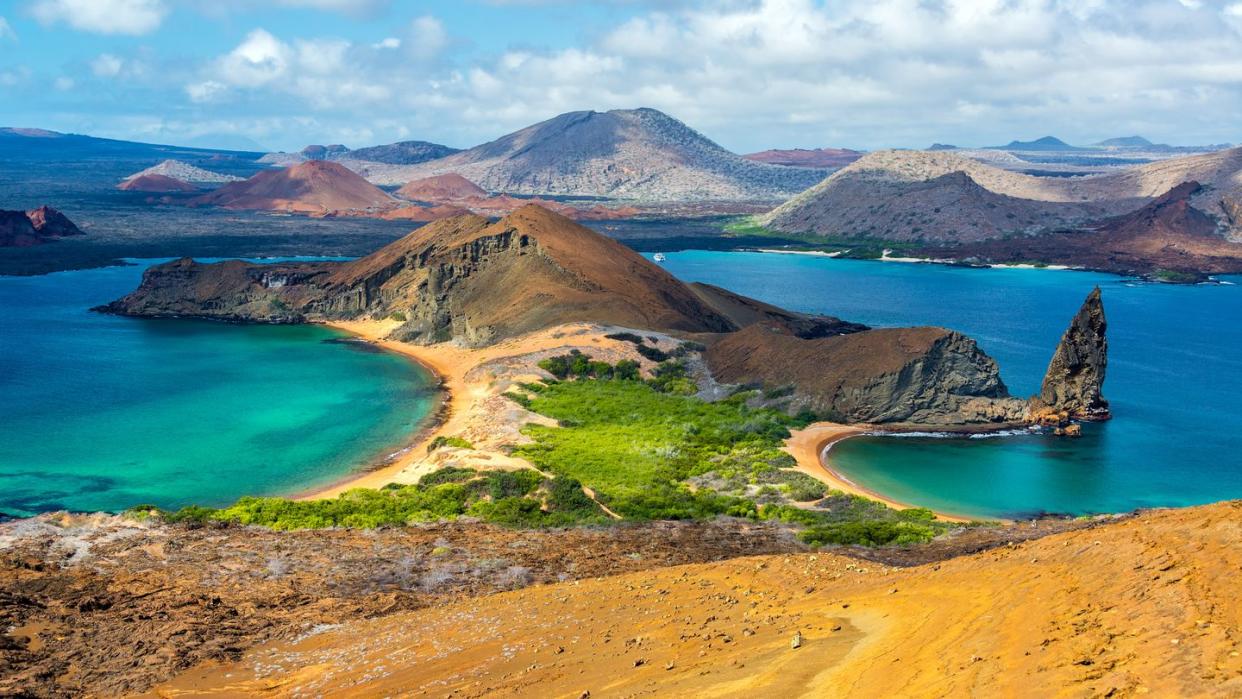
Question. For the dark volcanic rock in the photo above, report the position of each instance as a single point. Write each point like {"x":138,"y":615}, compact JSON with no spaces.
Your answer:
{"x":744,"y":311}
{"x":27,"y":228}
{"x":1075,"y":376}
{"x":50,"y":223}
{"x":928,"y":376}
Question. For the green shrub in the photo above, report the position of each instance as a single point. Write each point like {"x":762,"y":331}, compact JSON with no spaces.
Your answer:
{"x":397,"y":316}
{"x":450,"y":474}
{"x":447,"y":441}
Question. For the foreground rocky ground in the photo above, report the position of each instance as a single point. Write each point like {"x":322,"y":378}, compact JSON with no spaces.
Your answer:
{"x":103,"y":605}
{"x":1139,"y":606}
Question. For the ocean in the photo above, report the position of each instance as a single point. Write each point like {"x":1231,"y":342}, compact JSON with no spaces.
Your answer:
{"x":104,"y":413}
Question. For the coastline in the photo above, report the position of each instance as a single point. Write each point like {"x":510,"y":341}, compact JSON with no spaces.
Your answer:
{"x":808,"y":445}
{"x":374,"y":332}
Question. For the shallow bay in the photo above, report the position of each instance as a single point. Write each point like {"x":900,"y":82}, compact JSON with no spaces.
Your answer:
{"x":102,"y":412}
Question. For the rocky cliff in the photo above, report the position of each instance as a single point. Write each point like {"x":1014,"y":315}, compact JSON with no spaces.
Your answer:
{"x":925,"y":376}
{"x":1075,"y":376}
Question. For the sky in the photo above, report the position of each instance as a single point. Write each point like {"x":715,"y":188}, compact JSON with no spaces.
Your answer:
{"x":750,"y":74}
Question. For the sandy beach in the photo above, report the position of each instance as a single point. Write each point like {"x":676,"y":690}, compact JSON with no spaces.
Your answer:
{"x":472,"y":382}
{"x":807,"y":447}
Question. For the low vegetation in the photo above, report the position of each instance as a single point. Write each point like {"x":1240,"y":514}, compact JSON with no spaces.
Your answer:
{"x":650,"y":450}
{"x":646,"y":448}
{"x":861,"y":247}
{"x":512,"y":498}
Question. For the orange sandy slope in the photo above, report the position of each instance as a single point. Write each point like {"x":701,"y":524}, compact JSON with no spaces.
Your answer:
{"x":1142,"y":606}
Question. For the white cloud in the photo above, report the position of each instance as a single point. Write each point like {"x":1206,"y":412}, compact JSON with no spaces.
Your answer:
{"x":767,"y":73}
{"x":6,"y":31}
{"x":206,"y":91}
{"x":427,"y":38}
{"x":64,"y":84}
{"x":102,"y":16}
{"x":258,"y":60}
{"x":106,"y":65}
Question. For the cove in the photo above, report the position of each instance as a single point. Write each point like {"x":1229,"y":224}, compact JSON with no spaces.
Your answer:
{"x":1174,"y":381}
{"x":104,"y":413}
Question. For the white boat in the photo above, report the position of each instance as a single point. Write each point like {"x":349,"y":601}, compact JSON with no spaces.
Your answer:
{"x":659,"y":257}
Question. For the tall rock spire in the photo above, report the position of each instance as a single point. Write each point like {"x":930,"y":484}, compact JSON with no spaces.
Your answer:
{"x":1076,"y":373}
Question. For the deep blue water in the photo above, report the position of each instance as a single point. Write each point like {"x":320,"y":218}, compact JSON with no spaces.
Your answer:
{"x":1174,"y":380}
{"x":103,"y":413}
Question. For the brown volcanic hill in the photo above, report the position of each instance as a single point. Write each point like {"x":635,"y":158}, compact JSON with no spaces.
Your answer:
{"x":927,"y":376}
{"x":462,"y":278}
{"x":1140,"y":606}
{"x":889,"y":194}
{"x":309,"y":187}
{"x":744,"y":311}
{"x":638,"y":154}
{"x":155,"y":183}
{"x":803,"y":157}
{"x":930,"y":196}
{"x":1169,"y":234}
{"x":438,"y":189}
{"x":21,"y":229}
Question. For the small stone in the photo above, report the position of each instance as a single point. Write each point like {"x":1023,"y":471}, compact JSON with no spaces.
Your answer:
{"x":797,"y":640}
{"x":639,"y":662}
{"x":669,"y":665}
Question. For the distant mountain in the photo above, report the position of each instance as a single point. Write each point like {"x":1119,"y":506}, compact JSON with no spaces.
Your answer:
{"x":331,"y":152}
{"x":400,"y":153}
{"x":1168,"y":235}
{"x":184,"y":172}
{"x":639,"y":154}
{"x":403,"y":153}
{"x":441,"y":188}
{"x":31,"y":142}
{"x":802,"y":157}
{"x":941,"y":146}
{"x":1126,"y":142}
{"x":927,"y":196}
{"x":315,"y":186}
{"x":155,"y":184}
{"x":1047,"y":143}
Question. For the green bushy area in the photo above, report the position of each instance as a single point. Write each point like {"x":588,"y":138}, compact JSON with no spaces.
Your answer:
{"x":522,"y":498}
{"x":650,"y":451}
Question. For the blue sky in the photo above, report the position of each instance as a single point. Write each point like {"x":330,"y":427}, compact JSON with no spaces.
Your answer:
{"x":751,"y":74}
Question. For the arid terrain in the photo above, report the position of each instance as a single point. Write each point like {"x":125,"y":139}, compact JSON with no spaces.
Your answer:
{"x":1127,"y":608}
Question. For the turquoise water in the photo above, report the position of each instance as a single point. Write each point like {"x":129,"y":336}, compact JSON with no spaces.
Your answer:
{"x":1174,"y":380}
{"x":102,"y":413}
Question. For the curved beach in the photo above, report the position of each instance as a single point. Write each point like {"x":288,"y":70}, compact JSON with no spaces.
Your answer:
{"x":808,"y":445}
